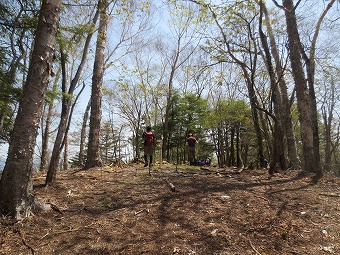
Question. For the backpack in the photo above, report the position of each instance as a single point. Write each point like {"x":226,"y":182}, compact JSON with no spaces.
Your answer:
{"x":149,"y":138}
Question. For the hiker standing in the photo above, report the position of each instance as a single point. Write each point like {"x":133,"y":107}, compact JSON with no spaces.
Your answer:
{"x":149,"y":144}
{"x":191,"y":140}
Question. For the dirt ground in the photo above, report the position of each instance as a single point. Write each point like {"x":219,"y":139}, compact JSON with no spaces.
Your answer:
{"x":124,"y":210}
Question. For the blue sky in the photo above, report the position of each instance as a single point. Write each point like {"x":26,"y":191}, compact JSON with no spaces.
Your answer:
{"x":3,"y":155}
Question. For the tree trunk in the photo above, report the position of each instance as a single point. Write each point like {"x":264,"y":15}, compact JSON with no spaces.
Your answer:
{"x":221,"y":143}
{"x":287,"y":125}
{"x":16,"y":188}
{"x":255,"y":114}
{"x":65,"y":164}
{"x":231,"y":160}
{"x":83,"y":135}
{"x":165,"y":155}
{"x":138,"y":131}
{"x":238,"y":148}
{"x":267,"y":132}
{"x":93,"y":151}
{"x":58,"y":143}
{"x":327,"y":115}
{"x":46,"y":133}
{"x":311,"y":162}
{"x":277,"y":146}
{"x":310,"y":72}
{"x":328,"y":156}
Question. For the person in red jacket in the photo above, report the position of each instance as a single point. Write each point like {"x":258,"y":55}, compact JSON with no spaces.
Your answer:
{"x":191,"y":140}
{"x":149,"y":144}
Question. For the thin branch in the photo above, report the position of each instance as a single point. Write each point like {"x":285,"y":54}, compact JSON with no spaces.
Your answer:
{"x":253,"y":247}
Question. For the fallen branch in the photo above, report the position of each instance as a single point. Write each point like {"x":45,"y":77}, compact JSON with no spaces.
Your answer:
{"x":55,"y":208}
{"x":67,"y":231}
{"x":330,"y":194}
{"x":206,"y":169}
{"x":143,"y":210}
{"x":172,"y":187}
{"x":25,"y":243}
{"x":253,"y":247}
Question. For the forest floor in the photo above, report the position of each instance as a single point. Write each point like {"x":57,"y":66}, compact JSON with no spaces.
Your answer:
{"x":124,"y":210}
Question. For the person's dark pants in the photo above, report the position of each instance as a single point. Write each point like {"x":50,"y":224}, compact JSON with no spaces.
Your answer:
{"x":148,"y":151}
{"x":191,"y":155}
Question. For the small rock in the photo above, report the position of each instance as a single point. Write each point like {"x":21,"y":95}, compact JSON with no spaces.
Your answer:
{"x":214,"y":232}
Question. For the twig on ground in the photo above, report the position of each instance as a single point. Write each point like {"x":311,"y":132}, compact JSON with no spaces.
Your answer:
{"x":330,"y":194}
{"x":55,"y":208}
{"x":25,"y":243}
{"x":143,"y":210}
{"x":253,"y":247}
{"x":67,"y":231}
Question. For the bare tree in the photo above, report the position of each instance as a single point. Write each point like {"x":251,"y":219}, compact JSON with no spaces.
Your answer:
{"x":328,"y":111}
{"x":185,"y":46}
{"x":289,"y":142}
{"x":83,"y":135}
{"x":304,"y":84}
{"x":245,"y":55}
{"x":93,"y":151}
{"x":46,"y":127}
{"x":67,"y":103}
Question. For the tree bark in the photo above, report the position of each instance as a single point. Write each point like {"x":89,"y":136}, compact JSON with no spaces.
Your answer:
{"x":311,"y":157}
{"x":65,"y":163}
{"x":327,"y":115}
{"x":278,"y":145}
{"x":310,"y":72}
{"x":287,"y":125}
{"x":83,"y":135}
{"x":218,"y":141}
{"x":58,"y":143}
{"x":16,"y":187}
{"x":165,"y":155}
{"x":93,"y":151}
